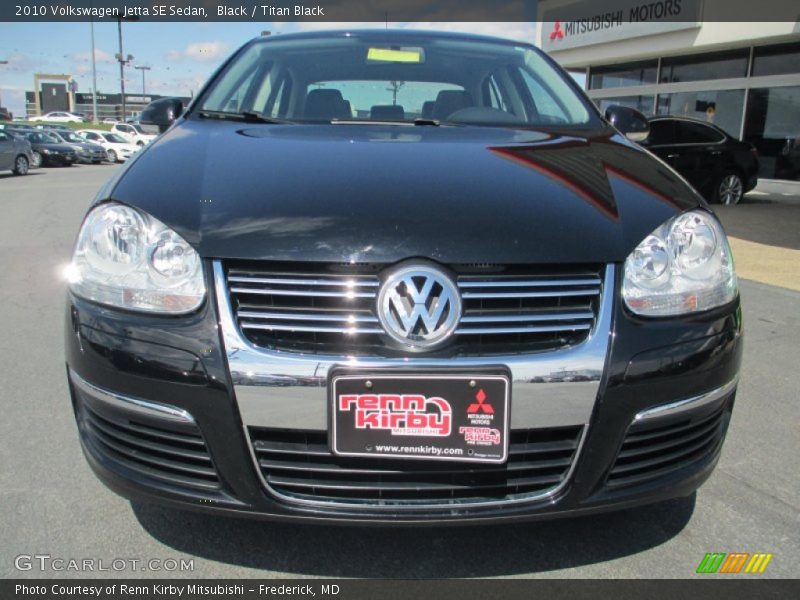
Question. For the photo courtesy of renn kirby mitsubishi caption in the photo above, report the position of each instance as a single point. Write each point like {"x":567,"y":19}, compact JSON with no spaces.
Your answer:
{"x":400,"y":277}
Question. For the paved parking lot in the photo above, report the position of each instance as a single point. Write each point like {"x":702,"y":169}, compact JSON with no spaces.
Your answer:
{"x":50,"y":503}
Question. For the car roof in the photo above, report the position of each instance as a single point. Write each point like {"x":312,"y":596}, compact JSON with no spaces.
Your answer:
{"x":687,"y":119}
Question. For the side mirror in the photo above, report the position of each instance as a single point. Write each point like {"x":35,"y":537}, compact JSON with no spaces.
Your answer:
{"x":162,"y":113}
{"x":628,"y":121}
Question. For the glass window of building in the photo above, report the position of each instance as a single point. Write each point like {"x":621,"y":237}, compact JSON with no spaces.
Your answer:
{"x":720,"y":65}
{"x":773,"y":127}
{"x":644,"y":104}
{"x":638,"y":73}
{"x":723,"y":108}
{"x":776,"y":60}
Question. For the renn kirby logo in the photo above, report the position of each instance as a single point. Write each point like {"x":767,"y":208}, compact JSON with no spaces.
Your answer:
{"x":407,"y":414}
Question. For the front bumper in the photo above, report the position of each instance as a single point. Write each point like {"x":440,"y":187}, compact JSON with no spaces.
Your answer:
{"x":185,"y":398}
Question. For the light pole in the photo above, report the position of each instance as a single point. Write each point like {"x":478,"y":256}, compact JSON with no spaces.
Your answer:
{"x":122,"y":62}
{"x":2,"y":62}
{"x":94,"y":77}
{"x":142,"y":68}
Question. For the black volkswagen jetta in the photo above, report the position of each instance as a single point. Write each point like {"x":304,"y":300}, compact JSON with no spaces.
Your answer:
{"x":399,"y":277}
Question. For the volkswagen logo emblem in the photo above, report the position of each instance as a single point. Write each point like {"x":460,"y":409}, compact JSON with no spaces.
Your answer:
{"x":419,"y":306}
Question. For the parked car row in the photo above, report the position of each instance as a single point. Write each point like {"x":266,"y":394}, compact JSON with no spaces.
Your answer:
{"x":23,"y":147}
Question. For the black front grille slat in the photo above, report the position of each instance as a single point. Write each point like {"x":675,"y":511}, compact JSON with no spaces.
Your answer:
{"x":173,"y":454}
{"x":337,"y":469}
{"x":700,"y":431}
{"x":152,"y":459}
{"x":331,"y":308}
{"x":147,"y":445}
{"x":299,"y":464}
{"x":650,"y":451}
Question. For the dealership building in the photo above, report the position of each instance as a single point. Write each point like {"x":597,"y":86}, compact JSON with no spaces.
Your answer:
{"x":679,"y":57}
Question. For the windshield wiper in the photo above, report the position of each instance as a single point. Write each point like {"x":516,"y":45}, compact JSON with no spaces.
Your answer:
{"x":415,"y":122}
{"x":247,"y":116}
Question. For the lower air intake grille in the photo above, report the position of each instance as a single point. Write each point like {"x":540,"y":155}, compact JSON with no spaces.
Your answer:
{"x":174,"y":454}
{"x":299,"y":465}
{"x":652,"y":450}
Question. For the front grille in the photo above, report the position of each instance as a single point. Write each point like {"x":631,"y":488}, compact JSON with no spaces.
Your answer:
{"x":652,"y":450}
{"x":330,"y":308}
{"x":298,"y":465}
{"x":174,"y":454}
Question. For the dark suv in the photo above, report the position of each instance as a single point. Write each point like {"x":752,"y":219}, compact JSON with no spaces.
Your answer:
{"x":309,"y":300}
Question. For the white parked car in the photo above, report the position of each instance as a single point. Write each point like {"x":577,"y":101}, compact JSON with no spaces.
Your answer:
{"x":59,"y":117}
{"x":118,"y":149}
{"x":135,"y":134}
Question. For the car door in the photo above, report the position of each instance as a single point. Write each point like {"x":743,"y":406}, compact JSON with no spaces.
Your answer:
{"x":6,"y":151}
{"x":701,"y":154}
{"x":662,"y":139}
{"x":665,"y":141}
{"x":126,"y":131}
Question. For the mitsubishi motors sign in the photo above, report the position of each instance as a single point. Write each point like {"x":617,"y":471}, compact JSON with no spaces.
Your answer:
{"x":581,"y":23}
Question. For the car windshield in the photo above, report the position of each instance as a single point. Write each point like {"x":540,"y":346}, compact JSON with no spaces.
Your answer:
{"x":41,"y":138}
{"x":114,"y":138}
{"x":72,"y":137}
{"x":144,"y":130}
{"x":396,"y":78}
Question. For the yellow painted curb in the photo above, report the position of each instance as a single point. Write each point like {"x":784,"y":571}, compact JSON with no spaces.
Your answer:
{"x":772,"y":265}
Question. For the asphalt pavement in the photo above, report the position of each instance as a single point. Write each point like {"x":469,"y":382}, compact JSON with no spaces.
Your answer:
{"x":51,"y":503}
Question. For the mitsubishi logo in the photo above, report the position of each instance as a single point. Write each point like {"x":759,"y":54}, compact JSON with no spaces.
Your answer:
{"x":419,"y":306}
{"x":557,"y":33}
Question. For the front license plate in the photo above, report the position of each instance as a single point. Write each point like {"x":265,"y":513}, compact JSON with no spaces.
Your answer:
{"x":424,"y":416}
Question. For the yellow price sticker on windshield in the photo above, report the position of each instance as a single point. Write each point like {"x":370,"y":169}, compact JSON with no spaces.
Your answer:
{"x":389,"y":55}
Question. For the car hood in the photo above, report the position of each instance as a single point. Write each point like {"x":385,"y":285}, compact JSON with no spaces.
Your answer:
{"x":53,"y":147}
{"x":381,"y":193}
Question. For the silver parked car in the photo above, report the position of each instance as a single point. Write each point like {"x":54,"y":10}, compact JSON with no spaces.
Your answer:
{"x":15,"y":154}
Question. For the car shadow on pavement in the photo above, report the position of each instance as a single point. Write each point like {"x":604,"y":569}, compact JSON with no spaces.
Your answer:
{"x":417,"y":552}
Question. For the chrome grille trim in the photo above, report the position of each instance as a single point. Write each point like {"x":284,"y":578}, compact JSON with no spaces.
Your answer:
{"x":553,"y":294}
{"x":312,"y":329}
{"x":315,"y":311}
{"x":549,"y":494}
{"x":307,"y":282}
{"x":308,"y":293}
{"x":466,"y":282}
{"x":532,"y":329}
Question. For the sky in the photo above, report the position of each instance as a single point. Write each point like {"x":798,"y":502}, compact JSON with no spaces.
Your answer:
{"x":181,"y":55}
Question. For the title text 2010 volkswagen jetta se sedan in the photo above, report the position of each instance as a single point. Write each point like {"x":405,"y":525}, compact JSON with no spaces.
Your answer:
{"x":400,"y":277}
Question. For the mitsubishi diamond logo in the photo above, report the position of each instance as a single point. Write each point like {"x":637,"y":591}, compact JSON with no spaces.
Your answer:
{"x":557,"y":33}
{"x":419,"y":306}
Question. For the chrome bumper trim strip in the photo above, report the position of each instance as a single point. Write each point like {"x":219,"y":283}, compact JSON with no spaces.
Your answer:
{"x":681,"y":406}
{"x":136,"y":405}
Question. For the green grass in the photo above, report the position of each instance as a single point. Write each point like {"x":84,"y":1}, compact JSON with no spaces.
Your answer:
{"x":103,"y":126}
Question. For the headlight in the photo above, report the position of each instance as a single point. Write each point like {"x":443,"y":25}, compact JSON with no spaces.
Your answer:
{"x":128,"y":259}
{"x":684,"y":266}
{"x":45,"y":151}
